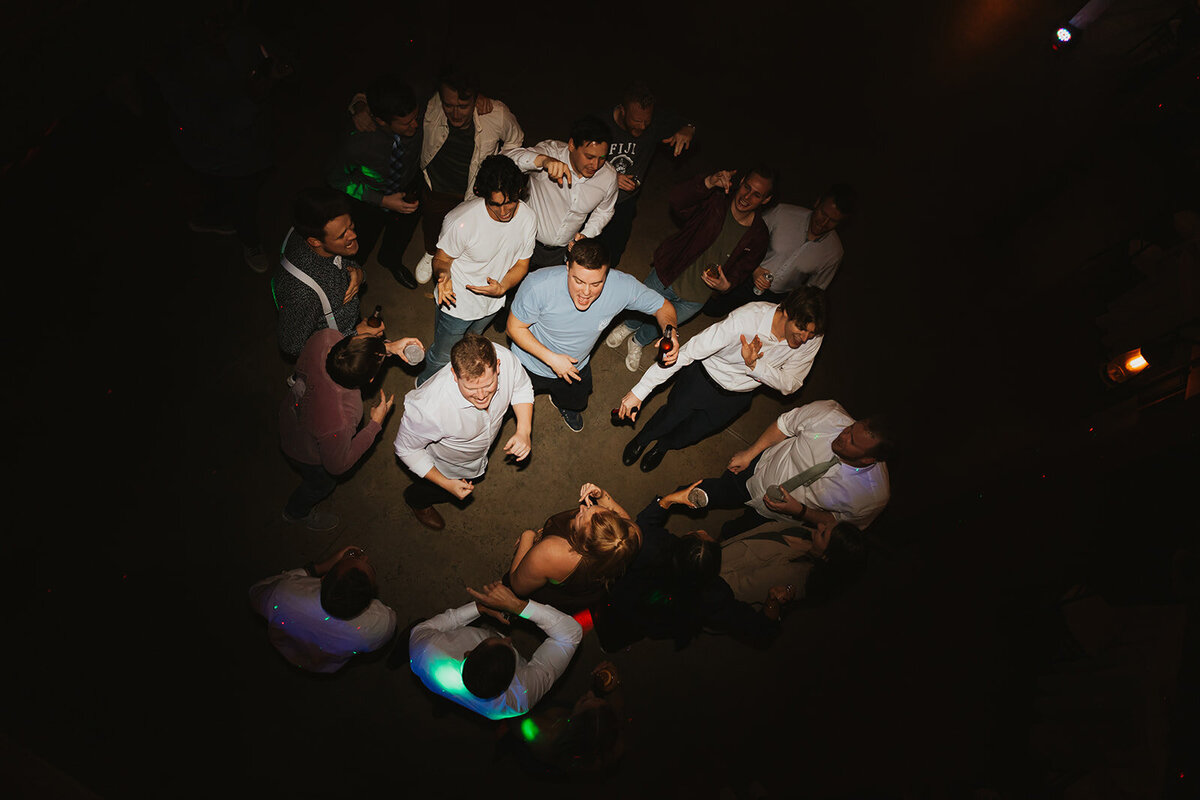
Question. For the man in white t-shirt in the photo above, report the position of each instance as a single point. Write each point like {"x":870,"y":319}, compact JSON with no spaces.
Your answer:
{"x":483,"y":252}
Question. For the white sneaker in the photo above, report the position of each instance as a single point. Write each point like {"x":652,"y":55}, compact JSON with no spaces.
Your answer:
{"x":633,"y":355}
{"x":424,"y":270}
{"x":619,"y":335}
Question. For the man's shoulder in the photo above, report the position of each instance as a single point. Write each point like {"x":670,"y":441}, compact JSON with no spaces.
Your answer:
{"x":499,"y":115}
{"x":820,"y":411}
{"x":467,"y":211}
{"x":536,"y":286}
{"x":295,"y":588}
{"x":550,"y":146}
{"x":504,"y":355}
{"x":607,"y":173}
{"x":624,"y":282}
{"x":526,"y":218}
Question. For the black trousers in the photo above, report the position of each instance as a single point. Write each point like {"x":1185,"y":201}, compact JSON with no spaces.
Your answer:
{"x":729,"y":491}
{"x":316,"y":484}
{"x":696,"y":407}
{"x":615,"y":235}
{"x":422,"y":493}
{"x":546,"y":256}
{"x":571,"y":396}
{"x":371,"y":222}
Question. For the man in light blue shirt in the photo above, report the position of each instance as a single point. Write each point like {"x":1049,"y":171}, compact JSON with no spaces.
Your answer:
{"x":559,"y":314}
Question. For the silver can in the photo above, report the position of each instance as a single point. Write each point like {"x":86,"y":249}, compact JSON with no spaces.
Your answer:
{"x":770,"y":279}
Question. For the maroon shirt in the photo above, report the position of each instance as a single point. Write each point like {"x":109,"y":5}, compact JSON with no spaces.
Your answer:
{"x":320,"y":426}
{"x":701,"y":212}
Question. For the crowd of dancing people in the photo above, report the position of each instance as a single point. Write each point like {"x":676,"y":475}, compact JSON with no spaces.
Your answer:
{"x":528,"y":240}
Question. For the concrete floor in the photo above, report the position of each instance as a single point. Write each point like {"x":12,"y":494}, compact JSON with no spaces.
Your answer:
{"x":988,"y":170}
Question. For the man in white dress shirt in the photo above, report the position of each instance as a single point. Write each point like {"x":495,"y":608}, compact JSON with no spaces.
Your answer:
{"x":322,"y":615}
{"x":573,"y":184}
{"x":450,"y":422}
{"x":483,"y":252}
{"x":760,"y":344}
{"x":848,"y":481}
{"x":805,"y":251}
{"x":481,"y":670}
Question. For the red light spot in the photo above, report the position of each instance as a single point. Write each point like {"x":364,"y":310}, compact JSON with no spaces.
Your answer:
{"x":584,"y":618}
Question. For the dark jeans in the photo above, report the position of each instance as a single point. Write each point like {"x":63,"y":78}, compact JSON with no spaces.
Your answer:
{"x":317,"y":484}
{"x":695,"y":408}
{"x":571,"y":396}
{"x":397,"y":230}
{"x":545,"y":256}
{"x":616,"y":233}
{"x":447,"y":332}
{"x":422,"y":493}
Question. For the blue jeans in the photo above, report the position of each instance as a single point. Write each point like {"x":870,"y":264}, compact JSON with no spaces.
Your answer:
{"x":447,"y":332}
{"x":647,"y":332}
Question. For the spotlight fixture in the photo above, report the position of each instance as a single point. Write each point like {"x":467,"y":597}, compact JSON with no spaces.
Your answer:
{"x":1063,"y":37}
{"x":1123,"y":367}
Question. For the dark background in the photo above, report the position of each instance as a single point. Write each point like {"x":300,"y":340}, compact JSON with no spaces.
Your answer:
{"x":1002,"y":184}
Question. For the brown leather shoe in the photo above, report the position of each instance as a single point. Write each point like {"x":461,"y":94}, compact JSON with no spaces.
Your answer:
{"x":429,"y":517}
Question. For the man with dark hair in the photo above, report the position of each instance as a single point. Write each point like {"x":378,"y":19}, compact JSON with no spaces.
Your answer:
{"x":458,"y":137}
{"x":461,"y":128}
{"x":451,"y":420}
{"x":559,"y":313}
{"x":377,"y":169}
{"x":478,"y":668}
{"x":825,"y":465}
{"x":636,"y":129}
{"x":483,"y":252}
{"x":317,"y":283}
{"x":720,"y":368}
{"x":721,"y":241}
{"x":573,"y":185}
{"x":320,"y":414}
{"x":321,"y":616}
{"x":805,"y":251}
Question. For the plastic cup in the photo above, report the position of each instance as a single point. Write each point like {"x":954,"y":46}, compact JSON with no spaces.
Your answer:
{"x":413,"y":353}
{"x":698,"y":497}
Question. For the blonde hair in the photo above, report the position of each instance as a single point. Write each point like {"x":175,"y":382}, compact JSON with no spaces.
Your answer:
{"x":609,"y":544}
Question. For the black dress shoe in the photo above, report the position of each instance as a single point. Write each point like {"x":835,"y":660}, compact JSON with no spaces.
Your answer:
{"x":653,"y":458}
{"x":404,"y":276}
{"x":631,"y":452}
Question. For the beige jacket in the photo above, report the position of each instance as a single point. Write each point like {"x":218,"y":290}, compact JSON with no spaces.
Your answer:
{"x":494,"y":131}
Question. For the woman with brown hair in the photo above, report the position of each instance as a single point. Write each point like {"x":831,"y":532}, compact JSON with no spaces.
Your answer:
{"x":572,"y":559}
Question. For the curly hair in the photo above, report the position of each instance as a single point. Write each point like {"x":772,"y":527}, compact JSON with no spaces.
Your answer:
{"x":609,"y":543}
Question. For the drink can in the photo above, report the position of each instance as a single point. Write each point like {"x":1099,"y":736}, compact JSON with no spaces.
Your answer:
{"x":770,"y":278}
